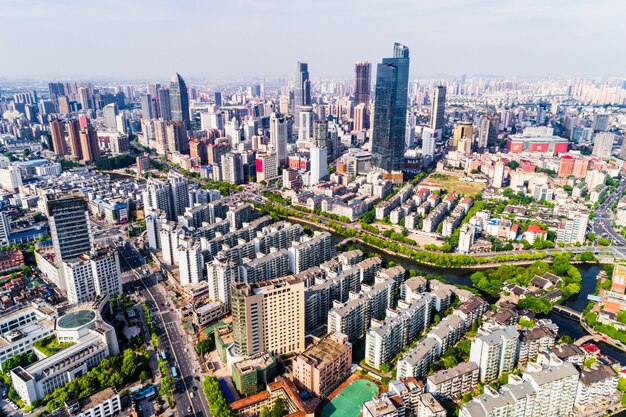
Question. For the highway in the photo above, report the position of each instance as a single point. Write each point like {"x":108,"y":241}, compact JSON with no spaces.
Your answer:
{"x":188,"y":396}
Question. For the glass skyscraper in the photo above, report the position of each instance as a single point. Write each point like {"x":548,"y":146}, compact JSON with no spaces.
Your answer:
{"x":179,"y":100}
{"x":302,"y":91}
{"x":392,"y":82}
{"x":362,"y":89}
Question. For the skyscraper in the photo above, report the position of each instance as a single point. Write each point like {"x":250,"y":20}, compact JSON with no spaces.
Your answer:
{"x":89,"y":145}
{"x":147,"y":107}
{"x":392,"y":81}
{"x":278,"y":136}
{"x":437,"y":115}
{"x":165,"y":109}
{"x":58,"y":137}
{"x":179,"y":100}
{"x":302,"y":91}
{"x":110,"y":113}
{"x":69,"y":225}
{"x":362,"y":88}
{"x":73,"y":129}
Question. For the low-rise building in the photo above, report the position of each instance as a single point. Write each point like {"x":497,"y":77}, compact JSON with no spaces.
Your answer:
{"x":249,"y":373}
{"x":597,"y":387}
{"x":104,"y":403}
{"x":323,"y":366}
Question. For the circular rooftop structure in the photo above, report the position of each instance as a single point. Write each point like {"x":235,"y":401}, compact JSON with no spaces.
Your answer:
{"x":76,"y":319}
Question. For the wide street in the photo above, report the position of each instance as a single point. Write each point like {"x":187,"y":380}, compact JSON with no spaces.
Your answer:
{"x":602,"y":220}
{"x":166,"y":321}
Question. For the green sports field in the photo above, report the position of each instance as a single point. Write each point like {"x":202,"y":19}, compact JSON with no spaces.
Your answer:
{"x":349,"y":401}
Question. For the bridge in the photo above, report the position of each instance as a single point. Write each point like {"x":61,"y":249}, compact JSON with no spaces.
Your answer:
{"x":566,"y":311}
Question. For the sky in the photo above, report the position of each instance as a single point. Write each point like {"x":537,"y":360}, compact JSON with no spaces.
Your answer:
{"x":242,"y":39}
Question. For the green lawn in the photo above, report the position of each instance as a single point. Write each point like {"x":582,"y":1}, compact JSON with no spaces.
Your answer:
{"x":349,"y":401}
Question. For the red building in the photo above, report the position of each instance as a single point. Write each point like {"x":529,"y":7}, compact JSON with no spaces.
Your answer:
{"x":551,"y":145}
{"x":11,"y":260}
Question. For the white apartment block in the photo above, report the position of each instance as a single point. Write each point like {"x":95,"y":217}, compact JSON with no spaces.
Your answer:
{"x":495,"y":352}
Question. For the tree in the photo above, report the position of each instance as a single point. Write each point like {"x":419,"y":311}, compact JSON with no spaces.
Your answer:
{"x":265,"y":412}
{"x":566,"y":339}
{"x":385,"y":367}
{"x":604,"y":242}
{"x":524,"y":322}
{"x":535,"y":304}
{"x":280,"y":407}
{"x":205,"y":346}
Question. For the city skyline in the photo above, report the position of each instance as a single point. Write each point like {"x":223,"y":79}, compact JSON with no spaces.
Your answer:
{"x":539,"y":39}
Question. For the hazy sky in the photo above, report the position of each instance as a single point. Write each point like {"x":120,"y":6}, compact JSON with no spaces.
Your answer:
{"x":150,"y":39}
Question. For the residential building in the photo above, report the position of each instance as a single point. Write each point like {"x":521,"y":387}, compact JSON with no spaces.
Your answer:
{"x":452,"y":383}
{"x":323,"y":366}
{"x":495,"y":352}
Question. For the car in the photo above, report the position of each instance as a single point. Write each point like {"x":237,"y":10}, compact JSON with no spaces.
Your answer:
{"x":191,"y":395}
{"x":195,"y":388}
{"x":189,"y":409}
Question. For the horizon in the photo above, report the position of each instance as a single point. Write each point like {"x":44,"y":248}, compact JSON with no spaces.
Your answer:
{"x":150,"y":40}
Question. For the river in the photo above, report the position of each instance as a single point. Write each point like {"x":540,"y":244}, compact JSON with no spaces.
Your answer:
{"x":461,"y":276}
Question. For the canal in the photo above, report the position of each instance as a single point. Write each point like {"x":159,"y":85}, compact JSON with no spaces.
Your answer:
{"x":461,"y":276}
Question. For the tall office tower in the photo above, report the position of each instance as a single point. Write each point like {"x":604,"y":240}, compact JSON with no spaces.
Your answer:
{"x":362,"y":88}
{"x":147,"y":107}
{"x":305,"y":130}
{"x":190,"y":261}
{"x":268,"y":316}
{"x":462,"y":130}
{"x":176,"y":136}
{"x":84,"y":98}
{"x":165,"y":107}
{"x":495,"y":352}
{"x":179,"y":191}
{"x":603,"y":145}
{"x":302,"y":91}
{"x":89,"y":145}
{"x":218,"y":98}
{"x":110,"y":114}
{"x":278,"y":137}
{"x":283,"y":105}
{"x":69,"y":225}
{"x":156,"y":197}
{"x":320,"y":133}
{"x":58,"y":137}
{"x":179,"y":100}
{"x":232,"y":168}
{"x":221,"y":272}
{"x":438,"y":112}
{"x":5,"y":228}
{"x":392,"y":80}
{"x":73,"y":130}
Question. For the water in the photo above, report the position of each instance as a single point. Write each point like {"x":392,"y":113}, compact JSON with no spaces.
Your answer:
{"x":461,"y":276}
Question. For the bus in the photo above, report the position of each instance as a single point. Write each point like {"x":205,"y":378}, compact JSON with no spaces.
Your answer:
{"x":174,"y":372}
{"x":163,"y":356}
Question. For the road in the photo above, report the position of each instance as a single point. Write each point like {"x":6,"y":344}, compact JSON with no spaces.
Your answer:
{"x":173,"y":340}
{"x":602,"y":220}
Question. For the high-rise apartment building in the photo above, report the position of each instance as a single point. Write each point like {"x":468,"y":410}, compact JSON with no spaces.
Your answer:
{"x":392,"y":79}
{"x":110,"y":113}
{"x":362,"y":89}
{"x":165,"y":106}
{"x":603,"y":145}
{"x":495,"y":352}
{"x":73,"y":131}
{"x":438,"y":112}
{"x":92,"y":274}
{"x":268,"y":316}
{"x":179,"y":100}
{"x":58,"y":137}
{"x":69,"y":225}
{"x":89,"y":145}
{"x":221,"y":272}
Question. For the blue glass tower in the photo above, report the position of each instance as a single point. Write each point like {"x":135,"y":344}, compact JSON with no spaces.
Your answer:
{"x":392,"y":82}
